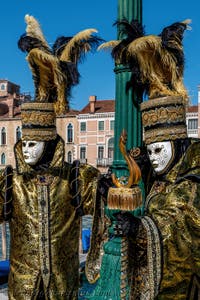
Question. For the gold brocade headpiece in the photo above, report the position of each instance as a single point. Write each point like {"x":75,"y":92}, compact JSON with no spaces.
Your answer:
{"x":164,"y":119}
{"x":38,"y":121}
{"x":55,"y":72}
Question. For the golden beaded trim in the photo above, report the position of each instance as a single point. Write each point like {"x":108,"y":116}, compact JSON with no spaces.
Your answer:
{"x":164,"y":134}
{"x":163,"y":115}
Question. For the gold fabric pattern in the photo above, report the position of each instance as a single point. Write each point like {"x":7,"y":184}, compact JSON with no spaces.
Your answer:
{"x":57,"y":224}
{"x":163,"y":115}
{"x":38,"y":118}
{"x":44,"y":225}
{"x":38,"y":121}
{"x":39,"y":134}
{"x":164,"y":118}
{"x":165,"y":134}
{"x":175,"y":209}
{"x":154,"y":261}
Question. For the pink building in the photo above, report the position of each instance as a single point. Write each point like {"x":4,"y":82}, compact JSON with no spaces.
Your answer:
{"x":88,"y":134}
{"x":95,"y":138}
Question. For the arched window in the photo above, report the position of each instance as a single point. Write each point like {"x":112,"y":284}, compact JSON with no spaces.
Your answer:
{"x":69,"y":157}
{"x":111,"y":147}
{"x":18,"y":134}
{"x":3,"y":136}
{"x":3,"y":87}
{"x":3,"y":159}
{"x":70,"y":133}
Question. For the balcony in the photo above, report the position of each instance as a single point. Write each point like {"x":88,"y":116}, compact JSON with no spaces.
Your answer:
{"x":83,"y":160}
{"x":104,"y":162}
{"x":192,"y":133}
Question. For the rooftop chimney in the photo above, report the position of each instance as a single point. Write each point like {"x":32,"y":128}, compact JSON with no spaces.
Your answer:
{"x":92,"y":100}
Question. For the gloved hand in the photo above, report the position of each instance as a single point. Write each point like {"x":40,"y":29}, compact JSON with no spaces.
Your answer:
{"x":104,"y":183}
{"x":126,"y":224}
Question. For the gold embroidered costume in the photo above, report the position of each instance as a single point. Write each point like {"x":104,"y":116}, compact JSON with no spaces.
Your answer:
{"x":48,"y":195}
{"x":45,"y":228}
{"x":174,"y":207}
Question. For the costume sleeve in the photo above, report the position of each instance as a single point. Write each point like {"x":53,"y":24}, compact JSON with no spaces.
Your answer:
{"x":88,"y":187}
{"x":176,"y":212}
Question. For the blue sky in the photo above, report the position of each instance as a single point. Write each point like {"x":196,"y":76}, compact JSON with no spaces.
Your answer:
{"x":63,"y":17}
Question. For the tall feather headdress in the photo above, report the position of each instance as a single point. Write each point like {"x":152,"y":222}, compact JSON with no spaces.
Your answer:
{"x":55,"y":72}
{"x":156,"y":61}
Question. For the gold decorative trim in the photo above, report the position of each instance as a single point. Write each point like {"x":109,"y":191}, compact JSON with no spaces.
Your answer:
{"x":163,"y":115}
{"x":38,"y":118}
{"x":124,"y":198}
{"x":162,"y":101}
{"x":164,"y":134}
{"x":37,"y":106}
{"x":39,"y":134}
{"x":154,"y":256}
{"x":44,"y":239}
{"x":124,"y":269}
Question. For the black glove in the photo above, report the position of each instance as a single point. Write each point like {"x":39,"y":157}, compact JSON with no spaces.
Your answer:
{"x":127,"y":225}
{"x":104,"y":183}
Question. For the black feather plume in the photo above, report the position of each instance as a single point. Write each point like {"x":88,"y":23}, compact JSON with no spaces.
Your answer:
{"x":59,"y":45}
{"x":129,"y":31}
{"x":27,"y":43}
{"x":78,"y":53}
{"x":172,"y":37}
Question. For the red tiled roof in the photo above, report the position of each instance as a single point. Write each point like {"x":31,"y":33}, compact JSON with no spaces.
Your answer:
{"x":72,"y":112}
{"x":192,"y":109}
{"x":101,"y":106}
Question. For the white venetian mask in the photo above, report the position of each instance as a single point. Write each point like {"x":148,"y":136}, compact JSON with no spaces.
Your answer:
{"x":160,"y":155}
{"x":32,"y":151}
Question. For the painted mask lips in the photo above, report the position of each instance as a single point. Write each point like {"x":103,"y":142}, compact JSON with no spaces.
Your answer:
{"x":155,"y":165}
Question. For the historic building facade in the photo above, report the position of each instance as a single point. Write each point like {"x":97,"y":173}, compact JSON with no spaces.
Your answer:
{"x":88,"y":133}
{"x":95,"y":140}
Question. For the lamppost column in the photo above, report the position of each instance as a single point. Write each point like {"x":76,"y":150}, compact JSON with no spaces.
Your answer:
{"x":127,"y":114}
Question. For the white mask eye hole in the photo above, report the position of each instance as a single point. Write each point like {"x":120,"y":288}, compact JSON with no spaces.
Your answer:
{"x":32,"y":144}
{"x":149,"y":152}
{"x":158,"y":150}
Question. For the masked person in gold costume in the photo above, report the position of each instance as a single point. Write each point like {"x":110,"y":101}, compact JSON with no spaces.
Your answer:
{"x":171,"y":223}
{"x":44,"y":197}
{"x":164,"y":257}
{"x":163,"y":254}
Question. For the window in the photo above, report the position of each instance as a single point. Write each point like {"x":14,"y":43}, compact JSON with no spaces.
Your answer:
{"x":192,"y":123}
{"x":3,"y":87}
{"x":18,"y":134}
{"x":3,"y":136}
{"x":69,"y":133}
{"x":101,"y":125}
{"x":110,"y":148}
{"x":112,"y":124}
{"x":69,"y":157}
{"x":3,"y":159}
{"x":100,"y":152}
{"x":83,"y":153}
{"x":83,"y":126}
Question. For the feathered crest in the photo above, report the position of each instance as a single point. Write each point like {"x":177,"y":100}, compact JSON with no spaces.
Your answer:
{"x":55,"y":69}
{"x":108,"y":45}
{"x":74,"y":48}
{"x":156,"y":61}
{"x":33,"y":30}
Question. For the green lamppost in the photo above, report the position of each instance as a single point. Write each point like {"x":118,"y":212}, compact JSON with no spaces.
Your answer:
{"x":127,"y":115}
